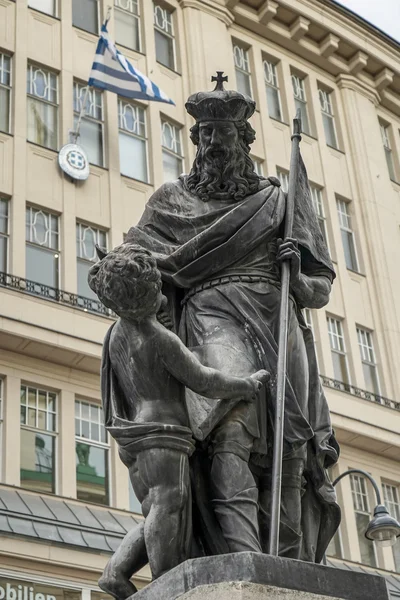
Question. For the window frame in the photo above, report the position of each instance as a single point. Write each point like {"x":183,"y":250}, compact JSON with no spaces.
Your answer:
{"x":56,"y":10}
{"x":283,"y":177}
{"x":276,"y":87}
{"x":364,"y":510}
{"x":7,"y":87}
{"x":135,"y":106}
{"x":395,"y":514}
{"x":49,"y":248}
{"x":6,"y":234}
{"x":95,"y":443}
{"x":337,"y":333}
{"x":97,"y":33}
{"x":97,"y":230}
{"x":245,"y":58}
{"x":56,"y":105}
{"x":299,"y":80}
{"x":346,"y":226}
{"x":367,"y":348}
{"x":258,"y":166}
{"x":387,"y":139}
{"x":53,"y":433}
{"x":177,"y":128}
{"x":329,"y":102}
{"x":172,"y":36}
{"x":317,"y":198}
{"x":137,"y":16}
{"x":88,"y":117}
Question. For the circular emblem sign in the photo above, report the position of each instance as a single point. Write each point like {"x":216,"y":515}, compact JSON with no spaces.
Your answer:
{"x":73,"y":161}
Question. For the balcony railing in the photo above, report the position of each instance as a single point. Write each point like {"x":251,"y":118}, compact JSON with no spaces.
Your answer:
{"x":53,"y":294}
{"x":359,"y":393}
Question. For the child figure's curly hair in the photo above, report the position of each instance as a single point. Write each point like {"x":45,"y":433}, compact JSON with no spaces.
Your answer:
{"x":127,"y":281}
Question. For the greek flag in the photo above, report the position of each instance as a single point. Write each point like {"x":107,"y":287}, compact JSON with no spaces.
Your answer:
{"x":112,"y":71}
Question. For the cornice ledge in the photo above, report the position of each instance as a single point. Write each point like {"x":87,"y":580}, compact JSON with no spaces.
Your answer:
{"x":210,"y":7}
{"x":350,"y":82}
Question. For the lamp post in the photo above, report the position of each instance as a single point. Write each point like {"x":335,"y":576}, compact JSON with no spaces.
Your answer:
{"x":382,"y":529}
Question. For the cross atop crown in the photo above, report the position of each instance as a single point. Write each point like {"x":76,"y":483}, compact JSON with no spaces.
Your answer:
{"x":220,"y":81}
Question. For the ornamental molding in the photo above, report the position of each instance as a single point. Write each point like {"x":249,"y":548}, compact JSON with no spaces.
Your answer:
{"x":351,"y":82}
{"x":212,"y":7}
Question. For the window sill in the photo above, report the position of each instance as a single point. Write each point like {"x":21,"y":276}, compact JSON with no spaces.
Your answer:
{"x":308,"y":135}
{"x":90,"y":33}
{"x":358,"y":276}
{"x":41,"y":12}
{"x":43,"y":147}
{"x":11,"y":135}
{"x":146,"y":183}
{"x":119,"y":45}
{"x":169,"y":68}
{"x":336,"y":149}
{"x":396,"y":183}
{"x":279,"y":121}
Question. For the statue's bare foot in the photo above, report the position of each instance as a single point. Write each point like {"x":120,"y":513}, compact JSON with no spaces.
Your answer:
{"x":117,"y":585}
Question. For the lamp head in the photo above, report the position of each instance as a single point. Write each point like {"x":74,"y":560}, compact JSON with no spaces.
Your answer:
{"x":383,"y":529}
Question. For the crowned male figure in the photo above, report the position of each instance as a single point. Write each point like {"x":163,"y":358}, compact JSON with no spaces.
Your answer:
{"x":216,"y":234}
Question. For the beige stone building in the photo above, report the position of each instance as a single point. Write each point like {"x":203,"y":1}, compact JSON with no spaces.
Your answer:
{"x":64,"y":494}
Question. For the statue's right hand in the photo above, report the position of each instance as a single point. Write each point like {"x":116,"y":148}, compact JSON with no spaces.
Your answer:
{"x":257,"y":380}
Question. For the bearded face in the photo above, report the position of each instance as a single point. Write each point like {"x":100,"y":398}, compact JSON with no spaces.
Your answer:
{"x":223,"y":168}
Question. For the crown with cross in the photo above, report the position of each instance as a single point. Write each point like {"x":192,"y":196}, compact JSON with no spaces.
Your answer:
{"x":220,"y":104}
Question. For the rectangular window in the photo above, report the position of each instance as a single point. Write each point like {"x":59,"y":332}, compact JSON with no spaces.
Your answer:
{"x":283,"y":177}
{"x":346,"y":230}
{"x":5,"y":93}
{"x":38,"y":439}
{"x":171,"y":151}
{"x":242,"y":69}
{"x":42,"y":107}
{"x":300,"y":101}
{"x":91,"y":446}
{"x":85,"y":15}
{"x":258,"y":166}
{"x":318,"y":203}
{"x":127,"y":23}
{"x":368,"y":360}
{"x":86,"y":239}
{"x":132,"y":140}
{"x":272,"y":90}
{"x":385,"y":133}
{"x":4,"y":228}
{"x":391,"y":498}
{"x":338,"y":350}
{"x":164,"y":37}
{"x":92,"y":126}
{"x":363,"y":517}
{"x":328,"y":117}
{"x":42,"y":249}
{"x":45,"y":6}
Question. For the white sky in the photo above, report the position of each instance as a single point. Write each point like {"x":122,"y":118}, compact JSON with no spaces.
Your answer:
{"x":384,"y":14}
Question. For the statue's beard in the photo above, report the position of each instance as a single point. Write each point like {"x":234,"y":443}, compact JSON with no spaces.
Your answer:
{"x":221,"y":172}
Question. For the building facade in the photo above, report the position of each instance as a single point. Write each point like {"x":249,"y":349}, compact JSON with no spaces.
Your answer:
{"x":65,"y":498}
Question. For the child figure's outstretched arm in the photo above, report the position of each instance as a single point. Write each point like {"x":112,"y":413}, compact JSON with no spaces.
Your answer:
{"x":185,"y":367}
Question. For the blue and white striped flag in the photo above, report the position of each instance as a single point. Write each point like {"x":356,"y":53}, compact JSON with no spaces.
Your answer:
{"x":112,"y":71}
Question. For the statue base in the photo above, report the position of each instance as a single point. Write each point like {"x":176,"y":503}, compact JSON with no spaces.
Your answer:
{"x":252,"y":576}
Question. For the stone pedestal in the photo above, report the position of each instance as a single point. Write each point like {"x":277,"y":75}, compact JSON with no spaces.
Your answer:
{"x":251,"y":576}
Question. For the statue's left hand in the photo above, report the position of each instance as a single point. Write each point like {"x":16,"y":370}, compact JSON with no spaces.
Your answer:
{"x":163,"y":316}
{"x":288,"y":250}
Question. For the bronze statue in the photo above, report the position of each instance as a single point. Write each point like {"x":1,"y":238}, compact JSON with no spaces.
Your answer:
{"x":217,"y":236}
{"x":145,"y":368}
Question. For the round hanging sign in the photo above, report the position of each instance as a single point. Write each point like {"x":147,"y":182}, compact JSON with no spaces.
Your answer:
{"x":73,"y":161}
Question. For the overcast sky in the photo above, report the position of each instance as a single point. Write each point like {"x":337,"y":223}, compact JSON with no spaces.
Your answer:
{"x":384,"y":14}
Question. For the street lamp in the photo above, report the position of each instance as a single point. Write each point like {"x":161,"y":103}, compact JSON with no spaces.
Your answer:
{"x":382,"y":529}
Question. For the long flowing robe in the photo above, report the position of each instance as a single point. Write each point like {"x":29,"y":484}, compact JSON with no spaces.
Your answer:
{"x":234,"y":325}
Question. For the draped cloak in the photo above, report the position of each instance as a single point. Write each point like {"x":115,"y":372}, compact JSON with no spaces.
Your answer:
{"x":196,"y":243}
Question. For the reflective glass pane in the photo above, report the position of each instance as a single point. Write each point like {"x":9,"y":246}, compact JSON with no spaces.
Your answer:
{"x":42,"y":421}
{"x":4,"y":110}
{"x":85,"y":429}
{"x":349,"y":250}
{"x":164,"y":49}
{"x":132,"y":157}
{"x":91,"y":473}
{"x":126,"y":29}
{"x":172,"y":167}
{"x":366,"y":546}
{"x":243,"y":83}
{"x":390,"y":165}
{"x":42,"y":123}
{"x":42,"y":400}
{"x":41,"y":266}
{"x":32,"y":397}
{"x":305,"y":126}
{"x":23,"y":415}
{"x":85,"y":411}
{"x":84,"y":15}
{"x":371,"y":378}
{"x":340,"y":367}
{"x":37,"y":461}
{"x":31,"y":417}
{"x":83,"y":286}
{"x":91,"y":140}
{"x":330,"y":133}
{"x":46,"y":6}
{"x":3,"y":253}
{"x":274,"y":108}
